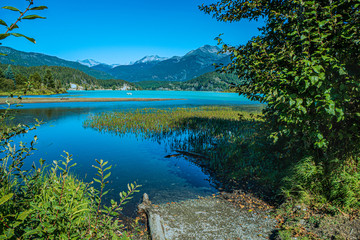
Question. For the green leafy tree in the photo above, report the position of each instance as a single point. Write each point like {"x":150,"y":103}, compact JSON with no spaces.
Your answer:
{"x":9,"y":73}
{"x":58,"y":84}
{"x":6,"y":84}
{"x":35,"y":80}
{"x":20,"y":80}
{"x":49,"y":79}
{"x":305,"y":65}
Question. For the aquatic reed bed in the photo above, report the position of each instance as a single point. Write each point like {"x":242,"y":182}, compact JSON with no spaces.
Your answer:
{"x":224,"y":136}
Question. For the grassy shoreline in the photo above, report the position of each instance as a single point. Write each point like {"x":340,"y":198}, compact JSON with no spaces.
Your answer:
{"x":233,"y":146}
{"x":71,"y":100}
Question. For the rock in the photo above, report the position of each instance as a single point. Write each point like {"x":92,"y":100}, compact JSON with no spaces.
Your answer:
{"x":146,"y":203}
{"x":206,"y":218}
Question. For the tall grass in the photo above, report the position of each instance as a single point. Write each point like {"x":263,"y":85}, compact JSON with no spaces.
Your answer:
{"x":234,"y":142}
{"x":228,"y":138}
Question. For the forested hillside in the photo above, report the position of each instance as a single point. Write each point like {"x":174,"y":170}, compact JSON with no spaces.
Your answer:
{"x":65,"y":75}
{"x":212,"y":81}
{"x":19,"y":58}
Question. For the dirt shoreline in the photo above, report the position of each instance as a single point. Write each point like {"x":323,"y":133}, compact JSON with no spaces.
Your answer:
{"x":70,"y":100}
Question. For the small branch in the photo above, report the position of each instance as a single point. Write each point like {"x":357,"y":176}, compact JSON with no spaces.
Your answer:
{"x":61,"y":195}
{"x":21,"y":15}
{"x":123,"y":200}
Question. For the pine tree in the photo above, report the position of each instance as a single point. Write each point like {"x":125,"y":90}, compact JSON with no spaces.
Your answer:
{"x":9,"y":73}
{"x":49,"y":79}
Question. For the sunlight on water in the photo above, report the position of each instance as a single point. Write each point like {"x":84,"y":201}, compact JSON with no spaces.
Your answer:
{"x":133,"y":159}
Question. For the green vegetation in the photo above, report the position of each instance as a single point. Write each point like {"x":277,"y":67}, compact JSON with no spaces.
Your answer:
{"x":115,"y":84}
{"x":15,"y":82}
{"x":37,"y":204}
{"x":40,"y":204}
{"x":60,"y":77}
{"x":15,"y":57}
{"x":212,"y":81}
{"x":228,"y":138}
{"x":305,"y":65}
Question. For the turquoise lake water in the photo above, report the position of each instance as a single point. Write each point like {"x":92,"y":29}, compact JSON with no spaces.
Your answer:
{"x":133,"y":159}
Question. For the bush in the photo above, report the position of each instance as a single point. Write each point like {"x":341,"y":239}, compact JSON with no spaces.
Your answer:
{"x":6,"y":84}
{"x":37,"y":204}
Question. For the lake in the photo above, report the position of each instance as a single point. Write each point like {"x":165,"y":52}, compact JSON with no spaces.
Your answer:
{"x":133,"y":158}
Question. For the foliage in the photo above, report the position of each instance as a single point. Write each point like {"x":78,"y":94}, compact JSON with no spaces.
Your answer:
{"x":22,"y":16}
{"x":16,"y":86}
{"x":212,"y":81}
{"x":35,"y":79}
{"x":305,"y":66}
{"x":114,"y":84}
{"x":35,"y":204}
{"x":309,"y":182}
{"x":63,"y":76}
{"x":20,"y":80}
{"x":9,"y":73}
{"x":49,"y":79}
{"x":7,"y":84}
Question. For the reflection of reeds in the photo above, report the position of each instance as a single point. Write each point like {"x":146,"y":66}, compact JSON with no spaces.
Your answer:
{"x":222,"y":134}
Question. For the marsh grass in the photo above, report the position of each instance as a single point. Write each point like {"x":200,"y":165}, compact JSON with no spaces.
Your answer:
{"x":228,"y":138}
{"x":234,"y":143}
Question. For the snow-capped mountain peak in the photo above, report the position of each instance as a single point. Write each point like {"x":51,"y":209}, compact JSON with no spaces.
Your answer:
{"x":210,"y":49}
{"x":207,"y":49}
{"x":89,"y":62}
{"x":152,"y":58}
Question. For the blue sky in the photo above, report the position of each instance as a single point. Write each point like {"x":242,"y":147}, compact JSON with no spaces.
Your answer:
{"x":119,"y":31}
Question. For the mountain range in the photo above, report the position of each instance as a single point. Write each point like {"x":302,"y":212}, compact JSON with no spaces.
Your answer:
{"x":149,"y":68}
{"x":155,"y":68}
{"x":30,"y":59}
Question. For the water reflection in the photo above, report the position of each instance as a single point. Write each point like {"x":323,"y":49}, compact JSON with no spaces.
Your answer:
{"x":133,"y":158}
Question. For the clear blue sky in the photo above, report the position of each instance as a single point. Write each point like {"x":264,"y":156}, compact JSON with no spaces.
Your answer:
{"x":120,"y":31}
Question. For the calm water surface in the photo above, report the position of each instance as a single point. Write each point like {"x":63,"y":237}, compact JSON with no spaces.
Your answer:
{"x":133,"y":159}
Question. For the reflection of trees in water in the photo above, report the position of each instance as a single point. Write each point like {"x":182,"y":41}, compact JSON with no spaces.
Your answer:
{"x":30,"y":116}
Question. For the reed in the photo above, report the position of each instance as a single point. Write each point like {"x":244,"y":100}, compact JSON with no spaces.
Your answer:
{"x":224,"y":136}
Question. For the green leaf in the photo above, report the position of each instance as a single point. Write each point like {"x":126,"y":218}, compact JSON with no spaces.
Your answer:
{"x":14,"y":26}
{"x":342,"y":71}
{"x":3,"y":35}
{"x":21,"y":35}
{"x":318,"y":68}
{"x":16,"y":224}
{"x":292,"y":102}
{"x":2,"y":22}
{"x":108,"y":168}
{"x":11,"y":8}
{"x":97,"y":180}
{"x":23,"y":215}
{"x":6,"y":198}
{"x":31,"y":232}
{"x":30,"y":17}
{"x":79,"y":211}
{"x":107,"y":175}
{"x":39,"y":8}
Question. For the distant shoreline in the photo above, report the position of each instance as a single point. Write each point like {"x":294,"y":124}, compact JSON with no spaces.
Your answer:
{"x":70,"y":100}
